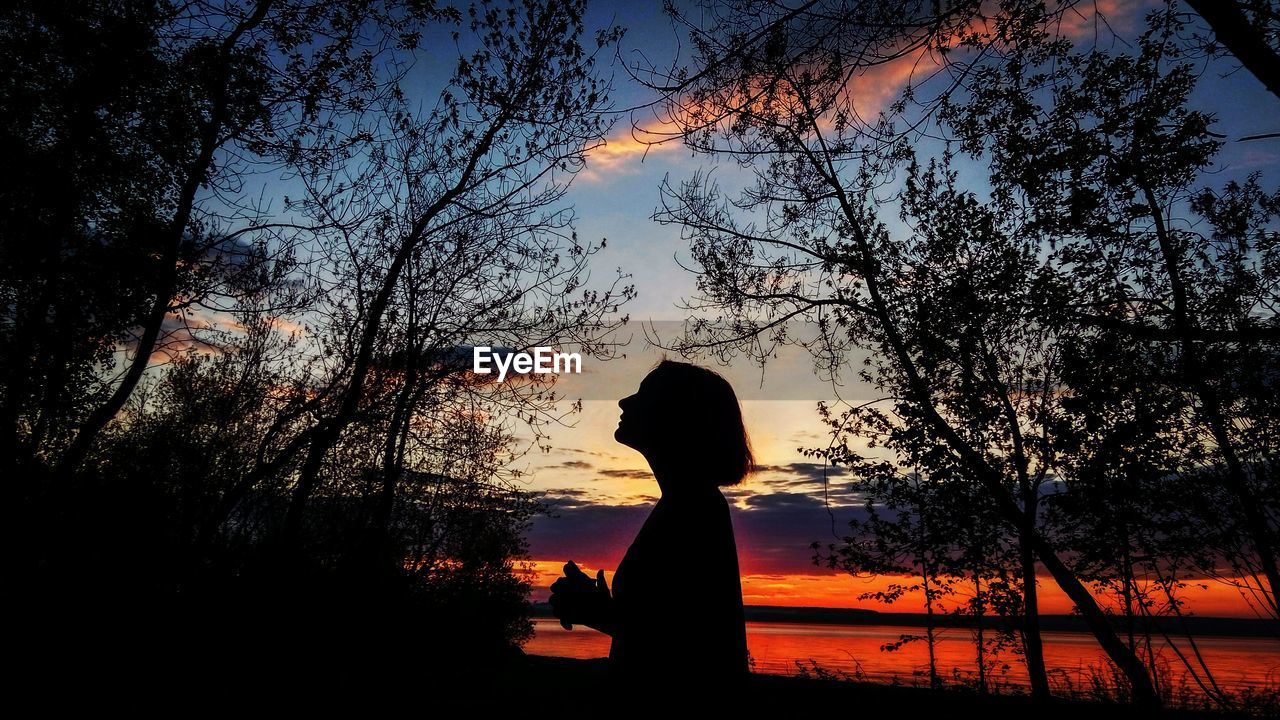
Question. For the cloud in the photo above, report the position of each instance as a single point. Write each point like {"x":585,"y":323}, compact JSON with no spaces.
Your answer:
{"x":631,"y":474}
{"x":871,"y":90}
{"x":589,"y":534}
{"x":583,"y":452}
{"x":191,"y":331}
{"x":567,"y":492}
{"x":1087,"y":19}
{"x":812,"y":471}
{"x":773,"y":530}
{"x":562,"y":499}
{"x":804,"y":477}
{"x":767,"y":501}
{"x":624,"y":151}
{"x":868,"y":92}
{"x":282,"y":325}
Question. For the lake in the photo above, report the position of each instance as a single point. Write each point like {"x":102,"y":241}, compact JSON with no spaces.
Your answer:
{"x":1073,"y":658}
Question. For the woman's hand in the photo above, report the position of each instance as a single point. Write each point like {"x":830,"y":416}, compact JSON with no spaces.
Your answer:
{"x":577,"y":599}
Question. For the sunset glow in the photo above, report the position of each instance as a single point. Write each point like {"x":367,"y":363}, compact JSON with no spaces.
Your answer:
{"x":833,"y":590}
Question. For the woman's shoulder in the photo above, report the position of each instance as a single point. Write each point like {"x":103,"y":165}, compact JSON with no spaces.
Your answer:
{"x":699,"y":503}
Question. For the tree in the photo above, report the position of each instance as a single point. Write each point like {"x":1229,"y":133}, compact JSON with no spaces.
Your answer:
{"x":1107,"y":157}
{"x":968,"y":299}
{"x":332,"y":449}
{"x":132,"y":128}
{"x":964,"y":291}
{"x":459,"y":197}
{"x":905,"y":533}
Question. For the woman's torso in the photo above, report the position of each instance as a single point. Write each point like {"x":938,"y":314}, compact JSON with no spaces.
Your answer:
{"x":678,"y":595}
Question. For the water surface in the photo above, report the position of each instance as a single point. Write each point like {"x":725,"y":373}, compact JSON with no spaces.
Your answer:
{"x":1074,"y":659}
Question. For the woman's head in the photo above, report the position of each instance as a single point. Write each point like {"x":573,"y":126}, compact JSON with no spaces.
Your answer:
{"x":688,"y":415}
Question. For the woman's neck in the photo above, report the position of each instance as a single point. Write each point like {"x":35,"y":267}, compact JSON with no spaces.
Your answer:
{"x":677,"y":482}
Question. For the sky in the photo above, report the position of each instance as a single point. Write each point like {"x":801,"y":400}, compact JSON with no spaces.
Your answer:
{"x":600,"y":491}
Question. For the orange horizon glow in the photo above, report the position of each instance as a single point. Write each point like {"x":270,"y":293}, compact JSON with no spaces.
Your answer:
{"x":838,"y":590}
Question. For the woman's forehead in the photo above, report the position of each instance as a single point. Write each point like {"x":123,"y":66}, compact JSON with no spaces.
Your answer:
{"x":655,"y":378}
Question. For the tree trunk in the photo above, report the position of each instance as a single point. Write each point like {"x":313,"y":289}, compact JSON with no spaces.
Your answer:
{"x":930,"y":635}
{"x":1032,"y":642}
{"x":981,"y":615}
{"x":1249,"y":44}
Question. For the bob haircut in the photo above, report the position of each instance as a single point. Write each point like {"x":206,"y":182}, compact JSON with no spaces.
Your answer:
{"x":704,"y":421}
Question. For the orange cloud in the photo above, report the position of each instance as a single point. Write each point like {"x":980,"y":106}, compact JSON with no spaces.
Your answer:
{"x":874,"y":88}
{"x":181,"y":333}
{"x":871,"y":89}
{"x":1089,"y":18}
{"x":286,"y":326}
{"x":621,"y":153}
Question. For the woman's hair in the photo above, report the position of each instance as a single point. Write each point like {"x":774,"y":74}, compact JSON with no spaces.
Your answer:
{"x":705,"y":417}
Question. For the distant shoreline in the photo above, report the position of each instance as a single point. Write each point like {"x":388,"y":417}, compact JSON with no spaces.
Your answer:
{"x":1196,"y":625}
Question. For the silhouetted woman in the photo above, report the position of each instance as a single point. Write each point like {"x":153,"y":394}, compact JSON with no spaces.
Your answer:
{"x":675,"y":613}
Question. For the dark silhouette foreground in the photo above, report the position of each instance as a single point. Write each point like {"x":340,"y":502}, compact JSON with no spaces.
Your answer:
{"x":675,"y":612}
{"x":765,"y":695}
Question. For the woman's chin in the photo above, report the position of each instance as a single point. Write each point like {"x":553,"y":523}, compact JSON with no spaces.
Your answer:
{"x":622,"y":436}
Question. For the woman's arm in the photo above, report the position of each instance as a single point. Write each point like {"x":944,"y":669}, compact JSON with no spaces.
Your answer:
{"x":605,"y":621}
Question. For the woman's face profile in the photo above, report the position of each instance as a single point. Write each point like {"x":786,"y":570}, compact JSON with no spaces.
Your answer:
{"x":639,"y":416}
